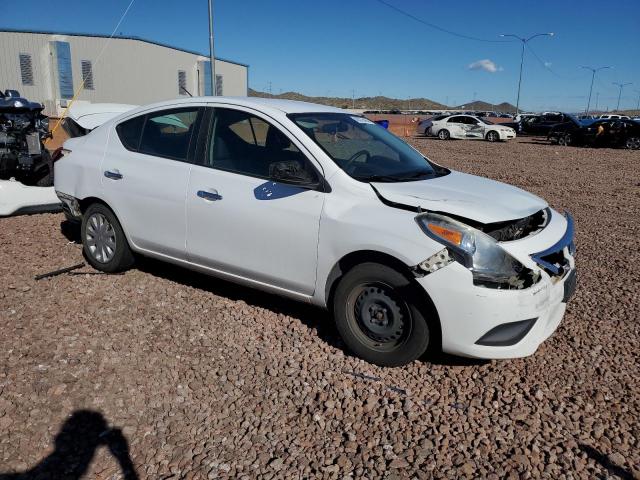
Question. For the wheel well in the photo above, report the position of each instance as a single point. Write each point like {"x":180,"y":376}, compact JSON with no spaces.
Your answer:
{"x":353,"y":259}
{"x":85,"y":202}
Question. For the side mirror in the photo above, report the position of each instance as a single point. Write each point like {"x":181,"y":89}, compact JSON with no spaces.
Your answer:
{"x":292,"y":173}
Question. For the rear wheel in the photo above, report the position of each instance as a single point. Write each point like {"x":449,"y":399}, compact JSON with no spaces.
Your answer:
{"x":564,"y":140}
{"x":632,"y":143}
{"x":380,"y":316}
{"x":493,"y":136}
{"x":444,"y":134}
{"x":103,"y":241}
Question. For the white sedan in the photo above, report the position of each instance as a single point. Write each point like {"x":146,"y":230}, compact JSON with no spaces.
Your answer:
{"x":326,"y":207}
{"x":469,"y":127}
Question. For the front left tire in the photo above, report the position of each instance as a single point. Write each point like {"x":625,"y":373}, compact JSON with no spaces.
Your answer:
{"x":493,"y":136}
{"x":380,"y":315}
{"x":103,"y":241}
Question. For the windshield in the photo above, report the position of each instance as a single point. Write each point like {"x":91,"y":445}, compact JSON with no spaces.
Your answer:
{"x":485,"y":121}
{"x":364,"y":150}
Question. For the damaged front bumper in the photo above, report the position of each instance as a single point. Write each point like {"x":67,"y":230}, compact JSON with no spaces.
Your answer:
{"x":481,"y":322}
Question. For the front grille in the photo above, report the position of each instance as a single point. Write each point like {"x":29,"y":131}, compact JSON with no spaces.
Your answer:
{"x":520,"y":228}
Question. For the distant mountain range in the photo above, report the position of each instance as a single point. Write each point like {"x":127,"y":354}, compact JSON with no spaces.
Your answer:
{"x":484,"y":106}
{"x":384,"y":103}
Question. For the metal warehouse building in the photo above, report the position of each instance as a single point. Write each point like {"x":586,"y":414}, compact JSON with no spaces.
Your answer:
{"x":49,"y":67}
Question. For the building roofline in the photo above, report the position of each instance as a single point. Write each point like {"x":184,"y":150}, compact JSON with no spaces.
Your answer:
{"x":119,"y":37}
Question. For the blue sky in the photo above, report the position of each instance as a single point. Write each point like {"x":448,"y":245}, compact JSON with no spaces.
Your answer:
{"x":336,"y":46}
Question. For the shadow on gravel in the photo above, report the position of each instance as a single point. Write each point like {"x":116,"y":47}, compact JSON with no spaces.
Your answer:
{"x":311,"y":316}
{"x":75,"y":446}
{"x":604,"y":462}
{"x":71,"y":231}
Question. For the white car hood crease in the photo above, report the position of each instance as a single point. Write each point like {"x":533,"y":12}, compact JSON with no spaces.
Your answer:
{"x":464,"y":195}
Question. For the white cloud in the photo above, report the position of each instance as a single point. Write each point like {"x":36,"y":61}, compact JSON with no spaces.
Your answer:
{"x":486,"y":65}
{"x":547,"y":64}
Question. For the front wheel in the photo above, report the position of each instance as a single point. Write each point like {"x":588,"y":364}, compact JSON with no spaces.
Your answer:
{"x":103,"y":241}
{"x":632,"y":143}
{"x":444,"y":134}
{"x":493,"y":136}
{"x":380,"y":316}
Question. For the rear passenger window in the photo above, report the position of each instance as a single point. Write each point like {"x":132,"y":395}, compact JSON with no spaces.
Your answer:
{"x":168,"y":133}
{"x":129,"y":132}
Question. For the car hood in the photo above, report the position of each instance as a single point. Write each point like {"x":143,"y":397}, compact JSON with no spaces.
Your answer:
{"x":463,"y":195}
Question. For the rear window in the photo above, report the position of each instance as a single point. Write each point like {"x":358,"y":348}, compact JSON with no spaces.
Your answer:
{"x":130,"y":131}
{"x":168,"y":133}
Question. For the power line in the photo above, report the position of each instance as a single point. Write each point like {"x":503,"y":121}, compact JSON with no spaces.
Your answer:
{"x":439,"y":28}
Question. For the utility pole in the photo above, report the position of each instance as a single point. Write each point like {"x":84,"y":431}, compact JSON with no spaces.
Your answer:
{"x":212,"y":60}
{"x":270,"y":91}
{"x":621,"y":86}
{"x":524,"y":42}
{"x":593,"y":76}
{"x":638,"y":105}
{"x":597,"y":98}
{"x":353,"y":99}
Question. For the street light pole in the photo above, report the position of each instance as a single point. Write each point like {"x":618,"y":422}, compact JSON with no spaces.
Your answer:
{"x":621,"y":86}
{"x":593,"y":76}
{"x":524,"y":42}
{"x":212,"y":60}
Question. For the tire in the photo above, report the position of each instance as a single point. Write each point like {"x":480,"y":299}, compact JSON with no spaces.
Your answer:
{"x":492,"y":136}
{"x":444,"y":134}
{"x":381,"y":316}
{"x":632,"y":143}
{"x":564,"y":140}
{"x":103,"y":241}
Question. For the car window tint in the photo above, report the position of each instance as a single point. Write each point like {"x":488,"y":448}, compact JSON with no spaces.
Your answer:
{"x":168,"y":133}
{"x":242,"y":143}
{"x":129,"y":132}
{"x":454,"y":120}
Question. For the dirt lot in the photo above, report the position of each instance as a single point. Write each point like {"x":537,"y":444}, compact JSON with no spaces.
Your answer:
{"x":205,"y":379}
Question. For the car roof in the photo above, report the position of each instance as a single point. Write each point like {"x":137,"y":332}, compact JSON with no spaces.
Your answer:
{"x":286,"y":106}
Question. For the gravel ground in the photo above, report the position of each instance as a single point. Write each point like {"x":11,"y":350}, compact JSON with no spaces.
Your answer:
{"x":205,"y":379}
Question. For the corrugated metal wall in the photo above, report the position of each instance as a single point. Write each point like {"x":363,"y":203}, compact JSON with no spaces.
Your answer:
{"x":129,"y":71}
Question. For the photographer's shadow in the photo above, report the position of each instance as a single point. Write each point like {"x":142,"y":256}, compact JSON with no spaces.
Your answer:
{"x":75,"y":446}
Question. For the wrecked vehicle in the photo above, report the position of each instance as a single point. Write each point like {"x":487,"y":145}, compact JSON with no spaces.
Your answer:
{"x":26,"y":167}
{"x":23,"y":129}
{"x":326,"y":207}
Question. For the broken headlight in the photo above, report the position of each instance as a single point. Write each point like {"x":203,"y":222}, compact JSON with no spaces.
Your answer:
{"x":489,"y":263}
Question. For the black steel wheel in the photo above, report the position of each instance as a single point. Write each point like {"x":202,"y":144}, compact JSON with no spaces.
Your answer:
{"x":381,"y":316}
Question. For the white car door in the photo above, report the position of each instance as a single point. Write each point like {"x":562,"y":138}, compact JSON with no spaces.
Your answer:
{"x":474,"y":128}
{"x":145,"y":176}
{"x":455,"y":127}
{"x":242,"y":222}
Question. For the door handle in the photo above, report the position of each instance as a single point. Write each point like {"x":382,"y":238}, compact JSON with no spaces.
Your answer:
{"x":113,"y":174}
{"x":211,"y":195}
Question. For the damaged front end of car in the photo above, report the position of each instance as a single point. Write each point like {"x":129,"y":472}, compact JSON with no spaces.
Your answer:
{"x":477,"y":247}
{"x":23,"y":129}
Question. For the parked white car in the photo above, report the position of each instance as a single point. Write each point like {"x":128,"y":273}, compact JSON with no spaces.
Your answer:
{"x":469,"y":127}
{"x":326,"y":207}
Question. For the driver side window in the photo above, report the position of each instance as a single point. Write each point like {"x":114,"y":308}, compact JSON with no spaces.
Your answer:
{"x":243,"y":143}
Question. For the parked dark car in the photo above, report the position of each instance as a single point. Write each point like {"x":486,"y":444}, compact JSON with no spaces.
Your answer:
{"x":542,"y":124}
{"x":601,"y":133}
